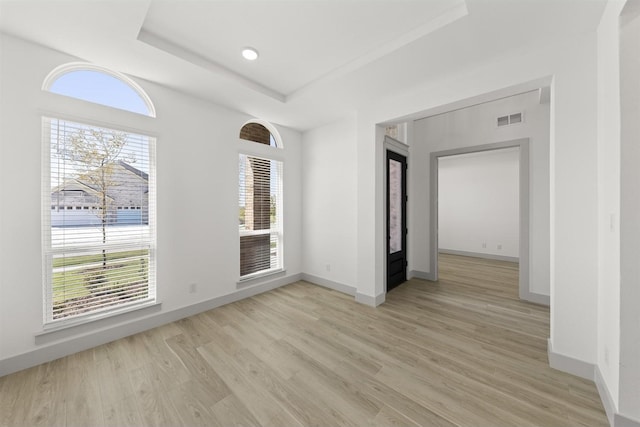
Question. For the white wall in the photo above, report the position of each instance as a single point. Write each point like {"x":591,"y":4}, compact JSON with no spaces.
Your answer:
{"x":570,"y":67}
{"x":478,"y":203}
{"x":629,"y":362}
{"x":329,"y":204}
{"x":197,"y":151}
{"x":609,"y":199}
{"x":476,"y":125}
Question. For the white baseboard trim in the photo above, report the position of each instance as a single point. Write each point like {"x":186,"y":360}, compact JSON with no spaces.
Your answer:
{"x":622,"y":421}
{"x":479,"y":255}
{"x":536,"y":298}
{"x":64,"y":347}
{"x":336,"y":286}
{"x":346,"y":289}
{"x":605,"y":396}
{"x":569,"y":365}
{"x":369,"y":300}
{"x":421,"y":275}
{"x":615,"y":418}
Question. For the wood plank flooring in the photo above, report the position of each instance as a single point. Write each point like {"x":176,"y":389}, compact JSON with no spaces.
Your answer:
{"x":460,"y":352}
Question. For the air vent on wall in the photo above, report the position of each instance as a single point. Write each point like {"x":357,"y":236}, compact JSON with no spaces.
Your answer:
{"x":511,"y":119}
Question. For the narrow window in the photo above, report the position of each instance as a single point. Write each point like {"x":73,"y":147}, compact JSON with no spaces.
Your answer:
{"x":97,"y":260}
{"x":260,"y":215}
{"x":260,"y":205}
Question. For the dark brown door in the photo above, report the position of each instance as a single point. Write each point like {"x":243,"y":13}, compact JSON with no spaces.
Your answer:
{"x":396,"y":219}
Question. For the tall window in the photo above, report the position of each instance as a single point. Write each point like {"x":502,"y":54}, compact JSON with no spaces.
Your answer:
{"x":99,"y":220}
{"x":260,"y":208}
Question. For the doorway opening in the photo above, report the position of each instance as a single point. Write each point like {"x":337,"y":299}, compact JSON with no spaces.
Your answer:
{"x":522,"y":145}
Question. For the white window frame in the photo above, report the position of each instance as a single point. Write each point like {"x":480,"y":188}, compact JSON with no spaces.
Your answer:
{"x":278,"y":232}
{"x":50,"y":324}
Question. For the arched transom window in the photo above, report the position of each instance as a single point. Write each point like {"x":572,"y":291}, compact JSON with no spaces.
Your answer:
{"x":261,"y":132}
{"x":100,"y":86}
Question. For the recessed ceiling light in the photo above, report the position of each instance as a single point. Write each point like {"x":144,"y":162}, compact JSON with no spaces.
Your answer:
{"x":250,"y":54}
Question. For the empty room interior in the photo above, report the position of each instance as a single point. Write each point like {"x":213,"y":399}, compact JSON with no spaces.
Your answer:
{"x":296,"y":213}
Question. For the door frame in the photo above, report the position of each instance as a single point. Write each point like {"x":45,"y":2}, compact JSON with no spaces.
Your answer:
{"x":401,"y":148}
{"x":524,"y":203}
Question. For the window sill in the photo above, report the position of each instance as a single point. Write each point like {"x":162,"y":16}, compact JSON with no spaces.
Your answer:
{"x":61,"y":326}
{"x":246,"y":280}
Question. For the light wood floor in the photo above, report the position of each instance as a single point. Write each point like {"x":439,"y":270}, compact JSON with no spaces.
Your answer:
{"x":461,"y":352}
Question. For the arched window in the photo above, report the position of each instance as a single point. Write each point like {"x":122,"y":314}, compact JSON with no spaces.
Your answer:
{"x":261,"y":132}
{"x":100,"y":86}
{"x":260,"y":205}
{"x":98,"y":212}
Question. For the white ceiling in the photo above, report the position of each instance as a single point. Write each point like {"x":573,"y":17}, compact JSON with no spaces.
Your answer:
{"x":318,"y":59}
{"x":300,"y":42}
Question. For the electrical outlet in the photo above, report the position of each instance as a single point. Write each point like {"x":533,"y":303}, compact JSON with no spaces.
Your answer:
{"x":499,"y":247}
{"x":484,"y":245}
{"x":327,"y":267}
{"x":193,"y":288}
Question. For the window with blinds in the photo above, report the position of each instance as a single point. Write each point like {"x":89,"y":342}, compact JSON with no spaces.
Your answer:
{"x":260,"y":216}
{"x":98,"y":220}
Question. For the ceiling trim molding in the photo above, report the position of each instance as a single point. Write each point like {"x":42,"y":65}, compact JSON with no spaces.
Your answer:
{"x":171,"y":48}
{"x":451,"y":14}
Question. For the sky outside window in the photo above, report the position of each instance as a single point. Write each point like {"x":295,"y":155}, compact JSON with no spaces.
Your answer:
{"x":100,"y":88}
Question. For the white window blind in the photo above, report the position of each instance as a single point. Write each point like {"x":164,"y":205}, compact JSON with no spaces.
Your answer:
{"x":260,"y":215}
{"x":98,"y":220}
